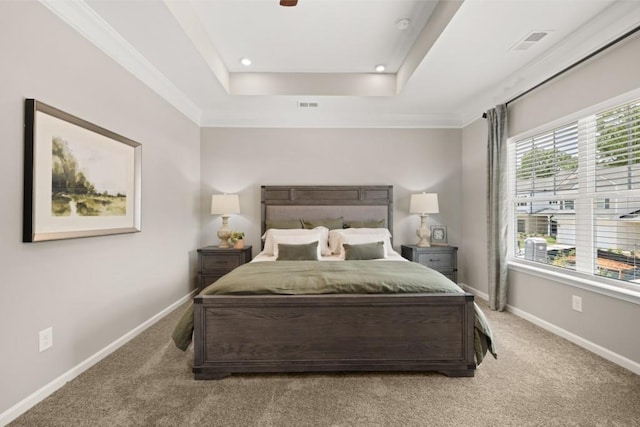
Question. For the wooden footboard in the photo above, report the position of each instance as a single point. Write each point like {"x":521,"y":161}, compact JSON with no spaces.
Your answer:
{"x":343,"y":332}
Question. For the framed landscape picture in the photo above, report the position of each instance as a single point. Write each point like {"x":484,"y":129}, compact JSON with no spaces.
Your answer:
{"x":80,"y":180}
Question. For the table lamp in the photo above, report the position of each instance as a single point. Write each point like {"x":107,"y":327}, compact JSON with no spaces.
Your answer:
{"x":424,"y":204}
{"x":224,"y":204}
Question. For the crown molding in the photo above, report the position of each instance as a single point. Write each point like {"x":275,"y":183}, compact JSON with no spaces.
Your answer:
{"x":79,"y":16}
{"x":337,"y":120}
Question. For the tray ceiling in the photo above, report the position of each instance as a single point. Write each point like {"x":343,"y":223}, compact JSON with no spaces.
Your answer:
{"x":445,"y":61}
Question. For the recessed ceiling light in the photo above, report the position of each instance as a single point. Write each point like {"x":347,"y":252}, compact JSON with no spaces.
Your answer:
{"x":403,"y":23}
{"x":245,"y":61}
{"x":380,"y":68}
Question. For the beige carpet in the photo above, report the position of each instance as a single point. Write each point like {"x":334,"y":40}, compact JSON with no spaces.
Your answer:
{"x":538,"y":380}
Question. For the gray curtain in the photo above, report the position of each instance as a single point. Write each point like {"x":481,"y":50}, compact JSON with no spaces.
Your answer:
{"x":497,"y":212}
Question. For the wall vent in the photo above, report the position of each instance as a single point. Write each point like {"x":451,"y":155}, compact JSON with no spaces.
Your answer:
{"x":531,"y":39}
{"x":305,"y":104}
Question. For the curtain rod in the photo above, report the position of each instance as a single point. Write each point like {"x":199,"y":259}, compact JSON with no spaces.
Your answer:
{"x":575,"y":64}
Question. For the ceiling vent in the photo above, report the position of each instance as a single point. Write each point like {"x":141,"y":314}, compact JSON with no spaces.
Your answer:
{"x":531,"y":39}
{"x":307,"y":104}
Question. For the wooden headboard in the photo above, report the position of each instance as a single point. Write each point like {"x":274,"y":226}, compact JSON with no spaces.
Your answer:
{"x":315,"y":202}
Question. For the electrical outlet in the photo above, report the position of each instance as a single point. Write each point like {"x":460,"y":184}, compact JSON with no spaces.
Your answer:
{"x":46,"y":338}
{"x":576,"y":303}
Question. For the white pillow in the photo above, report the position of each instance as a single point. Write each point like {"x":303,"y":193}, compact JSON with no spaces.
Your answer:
{"x":296,"y":240}
{"x":364,"y":235}
{"x":321,"y":234}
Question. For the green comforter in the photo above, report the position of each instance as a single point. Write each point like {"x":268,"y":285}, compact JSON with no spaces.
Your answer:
{"x":334,"y":277}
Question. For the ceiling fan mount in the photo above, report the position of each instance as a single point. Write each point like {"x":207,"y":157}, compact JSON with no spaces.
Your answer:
{"x":288,"y":3}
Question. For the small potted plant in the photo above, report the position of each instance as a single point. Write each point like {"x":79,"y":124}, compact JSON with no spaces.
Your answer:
{"x":237,"y":238}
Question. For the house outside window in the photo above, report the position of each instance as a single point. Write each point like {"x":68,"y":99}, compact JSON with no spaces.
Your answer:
{"x":576,"y":195}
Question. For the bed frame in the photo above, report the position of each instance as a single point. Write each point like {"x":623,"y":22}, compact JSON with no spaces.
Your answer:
{"x":336,"y":332}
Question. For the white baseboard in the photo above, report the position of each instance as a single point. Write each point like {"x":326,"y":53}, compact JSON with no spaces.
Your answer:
{"x":36,"y":397}
{"x":474,"y":291}
{"x":586,"y":344}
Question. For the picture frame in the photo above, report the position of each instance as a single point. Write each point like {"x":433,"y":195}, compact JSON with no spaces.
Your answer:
{"x":80,"y":180}
{"x":439,"y":235}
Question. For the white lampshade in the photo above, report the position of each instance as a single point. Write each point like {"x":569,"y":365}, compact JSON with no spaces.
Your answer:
{"x":225,"y":204}
{"x":424,"y":203}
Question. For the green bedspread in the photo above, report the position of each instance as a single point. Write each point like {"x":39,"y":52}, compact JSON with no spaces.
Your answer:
{"x":334,"y":277}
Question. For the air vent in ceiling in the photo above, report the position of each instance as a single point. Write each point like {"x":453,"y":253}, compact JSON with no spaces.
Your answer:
{"x":307,"y":104}
{"x":531,"y":39}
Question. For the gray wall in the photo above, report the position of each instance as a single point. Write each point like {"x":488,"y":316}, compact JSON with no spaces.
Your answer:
{"x":92,"y":291}
{"x":412,"y":160}
{"x":473,"y":259}
{"x":607,"y":322}
{"x":612,"y":73}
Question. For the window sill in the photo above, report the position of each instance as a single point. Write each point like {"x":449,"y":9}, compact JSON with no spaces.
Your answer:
{"x":601,"y":286}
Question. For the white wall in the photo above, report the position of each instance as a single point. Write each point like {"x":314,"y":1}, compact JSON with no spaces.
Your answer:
{"x":93,"y":290}
{"x":607,"y":325}
{"x":412,"y":160}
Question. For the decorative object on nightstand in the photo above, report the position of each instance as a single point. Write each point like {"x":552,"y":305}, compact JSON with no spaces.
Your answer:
{"x":224,"y":204}
{"x":424,"y":204}
{"x":438,"y":235}
{"x":214,"y":262}
{"x":441,"y":258}
{"x":237,"y":238}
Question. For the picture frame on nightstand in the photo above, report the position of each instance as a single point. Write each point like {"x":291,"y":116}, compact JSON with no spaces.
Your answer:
{"x":439,"y":235}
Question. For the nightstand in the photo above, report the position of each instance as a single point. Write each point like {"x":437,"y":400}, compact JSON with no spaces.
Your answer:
{"x":441,"y":258}
{"x":215,"y":262}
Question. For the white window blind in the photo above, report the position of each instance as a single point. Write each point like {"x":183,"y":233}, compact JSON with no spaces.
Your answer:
{"x":576,"y":198}
{"x":547,"y":163}
{"x":618,"y":148}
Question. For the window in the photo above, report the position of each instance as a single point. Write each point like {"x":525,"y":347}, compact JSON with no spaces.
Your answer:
{"x":576,"y":195}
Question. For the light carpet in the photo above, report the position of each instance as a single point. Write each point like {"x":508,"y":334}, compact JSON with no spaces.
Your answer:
{"x":539,"y":379}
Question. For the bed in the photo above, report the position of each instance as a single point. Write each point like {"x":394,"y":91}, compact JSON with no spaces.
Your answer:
{"x":239,"y":327}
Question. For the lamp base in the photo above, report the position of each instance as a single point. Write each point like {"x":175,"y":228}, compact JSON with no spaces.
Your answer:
{"x":224,"y":233}
{"x":423,"y":232}
{"x":423,"y":243}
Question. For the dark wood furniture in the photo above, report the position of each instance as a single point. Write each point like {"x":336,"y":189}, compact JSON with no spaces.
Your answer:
{"x":441,"y":258}
{"x":335,"y":332}
{"x":215,"y":262}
